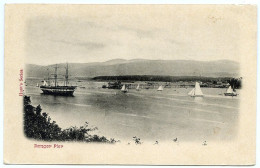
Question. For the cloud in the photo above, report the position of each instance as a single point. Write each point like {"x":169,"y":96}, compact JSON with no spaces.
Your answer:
{"x":87,"y":45}
{"x":139,"y":32}
{"x":92,"y":37}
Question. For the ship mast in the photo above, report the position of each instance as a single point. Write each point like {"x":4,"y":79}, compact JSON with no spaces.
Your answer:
{"x":55,"y":76}
{"x":48,"y":79}
{"x":67,"y":75}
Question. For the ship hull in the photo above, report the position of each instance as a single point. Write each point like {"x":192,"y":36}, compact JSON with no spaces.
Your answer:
{"x":62,"y":90}
{"x":230,"y":94}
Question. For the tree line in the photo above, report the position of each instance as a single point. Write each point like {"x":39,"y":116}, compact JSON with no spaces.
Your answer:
{"x":235,"y":83}
{"x":161,"y":78}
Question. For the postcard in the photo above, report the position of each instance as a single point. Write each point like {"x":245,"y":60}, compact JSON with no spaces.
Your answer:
{"x":130,"y":84}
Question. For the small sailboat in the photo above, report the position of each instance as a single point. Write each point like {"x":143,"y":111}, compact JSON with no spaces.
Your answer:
{"x":230,"y":92}
{"x":138,"y":87}
{"x":196,"y":92}
{"x":160,"y":88}
{"x":124,"y":89}
{"x":37,"y":85}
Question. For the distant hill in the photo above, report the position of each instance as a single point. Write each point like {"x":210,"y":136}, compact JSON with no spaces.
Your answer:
{"x":117,"y":67}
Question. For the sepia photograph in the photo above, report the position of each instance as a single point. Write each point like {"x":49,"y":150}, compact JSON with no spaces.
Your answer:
{"x":130,"y":77}
{"x":134,"y":77}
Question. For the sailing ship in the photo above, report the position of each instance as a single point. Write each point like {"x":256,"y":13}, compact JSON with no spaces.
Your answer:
{"x":55,"y":89}
{"x":160,"y":88}
{"x":37,"y":85}
{"x":124,"y":89}
{"x":230,"y":92}
{"x":138,"y":87}
{"x":196,"y":92}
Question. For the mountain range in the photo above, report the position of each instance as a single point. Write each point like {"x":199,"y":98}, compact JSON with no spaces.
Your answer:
{"x":118,"y":67}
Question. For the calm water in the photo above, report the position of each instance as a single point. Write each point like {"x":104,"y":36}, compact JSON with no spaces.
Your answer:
{"x":148,"y":114}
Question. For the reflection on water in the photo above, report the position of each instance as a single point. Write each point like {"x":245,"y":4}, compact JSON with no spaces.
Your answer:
{"x":198,"y":99}
{"x":148,"y":114}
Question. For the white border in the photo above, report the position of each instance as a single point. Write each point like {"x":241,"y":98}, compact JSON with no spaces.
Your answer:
{"x":3,"y":2}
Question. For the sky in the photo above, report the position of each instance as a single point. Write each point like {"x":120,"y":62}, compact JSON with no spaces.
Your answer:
{"x":100,"y":33}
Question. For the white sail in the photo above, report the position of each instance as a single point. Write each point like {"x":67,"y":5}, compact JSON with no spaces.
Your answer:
{"x":229,"y":90}
{"x":198,"y":91}
{"x":138,"y":87}
{"x":45,"y":83}
{"x":191,"y":93}
{"x":37,"y":85}
{"x":52,"y":83}
{"x":124,"y":89}
{"x":160,"y":88}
